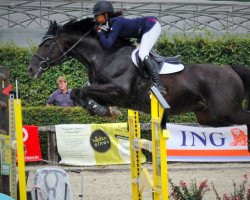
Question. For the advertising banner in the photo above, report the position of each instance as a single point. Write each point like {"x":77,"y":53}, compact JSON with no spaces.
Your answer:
{"x":207,"y":144}
{"x":93,"y":144}
{"x":104,"y":144}
{"x":31,"y":144}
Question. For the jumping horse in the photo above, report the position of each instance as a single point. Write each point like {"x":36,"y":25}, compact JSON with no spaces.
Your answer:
{"x":215,"y":94}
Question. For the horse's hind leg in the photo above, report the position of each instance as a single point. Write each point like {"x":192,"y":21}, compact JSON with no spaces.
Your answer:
{"x":240,"y":117}
{"x":206,"y":118}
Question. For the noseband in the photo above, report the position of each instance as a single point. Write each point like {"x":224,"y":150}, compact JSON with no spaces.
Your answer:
{"x":45,"y":63}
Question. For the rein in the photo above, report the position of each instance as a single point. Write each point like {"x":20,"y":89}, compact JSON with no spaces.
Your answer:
{"x":47,"y":60}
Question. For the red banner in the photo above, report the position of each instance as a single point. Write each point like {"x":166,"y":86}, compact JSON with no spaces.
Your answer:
{"x":31,"y":144}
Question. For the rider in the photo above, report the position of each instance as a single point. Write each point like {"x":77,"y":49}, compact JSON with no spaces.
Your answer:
{"x":110,"y":26}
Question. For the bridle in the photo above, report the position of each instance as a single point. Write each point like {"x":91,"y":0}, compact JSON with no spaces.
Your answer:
{"x":45,"y":63}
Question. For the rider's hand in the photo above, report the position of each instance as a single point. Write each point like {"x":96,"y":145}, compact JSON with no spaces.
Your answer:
{"x":97,"y":28}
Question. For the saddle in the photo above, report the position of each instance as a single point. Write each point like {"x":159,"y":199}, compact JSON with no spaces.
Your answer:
{"x":163,"y":65}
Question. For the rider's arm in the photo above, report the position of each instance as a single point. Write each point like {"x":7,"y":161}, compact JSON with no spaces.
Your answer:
{"x":108,"y":40}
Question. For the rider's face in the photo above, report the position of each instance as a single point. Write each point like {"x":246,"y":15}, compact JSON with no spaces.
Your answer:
{"x":101,"y":18}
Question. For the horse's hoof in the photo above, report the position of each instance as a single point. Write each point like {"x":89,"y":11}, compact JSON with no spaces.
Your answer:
{"x":114,"y":111}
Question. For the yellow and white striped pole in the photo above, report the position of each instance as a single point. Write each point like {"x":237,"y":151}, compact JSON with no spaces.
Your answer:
{"x":15,"y":116}
{"x":159,"y":157}
{"x":135,"y":160}
{"x":20,"y":150}
{"x":13,"y":144}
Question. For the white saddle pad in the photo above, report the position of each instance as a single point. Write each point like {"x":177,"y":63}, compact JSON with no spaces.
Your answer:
{"x":167,"y":68}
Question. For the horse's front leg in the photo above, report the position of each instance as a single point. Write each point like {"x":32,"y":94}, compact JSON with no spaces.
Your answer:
{"x":106,"y":94}
{"x":92,"y":106}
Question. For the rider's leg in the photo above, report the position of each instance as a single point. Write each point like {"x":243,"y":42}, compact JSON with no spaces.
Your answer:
{"x":147,"y":42}
{"x":154,"y":74}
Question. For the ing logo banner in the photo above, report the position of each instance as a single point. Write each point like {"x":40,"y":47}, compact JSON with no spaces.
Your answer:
{"x":192,"y":143}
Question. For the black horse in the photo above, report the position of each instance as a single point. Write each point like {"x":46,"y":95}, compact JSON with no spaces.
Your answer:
{"x":215,"y":94}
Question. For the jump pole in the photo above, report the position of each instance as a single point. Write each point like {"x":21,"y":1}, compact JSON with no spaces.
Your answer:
{"x":159,"y":113}
{"x":16,"y":109}
{"x":140,"y":177}
{"x":13,"y":145}
{"x":135,"y":164}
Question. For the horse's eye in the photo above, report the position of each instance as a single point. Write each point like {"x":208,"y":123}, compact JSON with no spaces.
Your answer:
{"x":46,"y":45}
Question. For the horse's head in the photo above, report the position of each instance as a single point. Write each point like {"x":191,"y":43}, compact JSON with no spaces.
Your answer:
{"x":57,"y":44}
{"x":49,"y":52}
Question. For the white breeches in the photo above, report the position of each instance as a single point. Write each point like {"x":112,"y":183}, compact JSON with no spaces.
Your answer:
{"x":148,"y":40}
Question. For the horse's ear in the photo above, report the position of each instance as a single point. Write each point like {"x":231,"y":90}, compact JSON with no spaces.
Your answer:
{"x":52,"y":28}
{"x":55,"y":24}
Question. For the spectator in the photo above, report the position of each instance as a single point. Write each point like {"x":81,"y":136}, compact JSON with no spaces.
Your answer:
{"x":61,"y":97}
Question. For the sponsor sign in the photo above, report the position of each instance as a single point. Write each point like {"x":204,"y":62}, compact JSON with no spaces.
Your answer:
{"x":207,"y":144}
{"x":31,"y":142}
{"x":93,"y":144}
{"x":104,"y":144}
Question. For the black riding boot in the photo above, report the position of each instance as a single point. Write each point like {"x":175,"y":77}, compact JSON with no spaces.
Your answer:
{"x":154,"y":75}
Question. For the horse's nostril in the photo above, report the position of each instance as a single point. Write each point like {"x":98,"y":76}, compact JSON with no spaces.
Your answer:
{"x":30,"y":69}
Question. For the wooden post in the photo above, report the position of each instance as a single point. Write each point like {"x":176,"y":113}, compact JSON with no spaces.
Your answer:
{"x":52,"y":147}
{"x":52,"y":154}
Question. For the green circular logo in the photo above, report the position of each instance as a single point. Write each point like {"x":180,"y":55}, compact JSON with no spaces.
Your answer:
{"x":100,"y":141}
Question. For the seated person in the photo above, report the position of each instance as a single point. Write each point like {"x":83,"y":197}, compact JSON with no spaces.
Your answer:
{"x":61,"y":97}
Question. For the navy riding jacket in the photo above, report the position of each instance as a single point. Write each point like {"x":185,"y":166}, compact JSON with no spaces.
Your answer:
{"x":125,"y":28}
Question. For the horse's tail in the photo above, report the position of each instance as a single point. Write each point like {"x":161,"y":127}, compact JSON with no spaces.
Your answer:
{"x":244,"y":74}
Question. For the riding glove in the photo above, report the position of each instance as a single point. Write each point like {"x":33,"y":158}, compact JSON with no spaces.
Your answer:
{"x":99,"y":28}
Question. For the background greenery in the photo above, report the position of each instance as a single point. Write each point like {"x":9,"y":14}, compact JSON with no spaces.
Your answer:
{"x":197,"y":48}
{"x":45,"y":116}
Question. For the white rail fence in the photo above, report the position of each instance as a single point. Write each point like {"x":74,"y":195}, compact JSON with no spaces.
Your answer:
{"x":175,"y":16}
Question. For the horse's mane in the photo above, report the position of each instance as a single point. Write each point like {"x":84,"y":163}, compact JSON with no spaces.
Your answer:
{"x":80,"y":26}
{"x":74,"y":25}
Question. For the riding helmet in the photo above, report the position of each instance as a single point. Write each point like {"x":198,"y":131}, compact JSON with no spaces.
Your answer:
{"x":102,"y":7}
